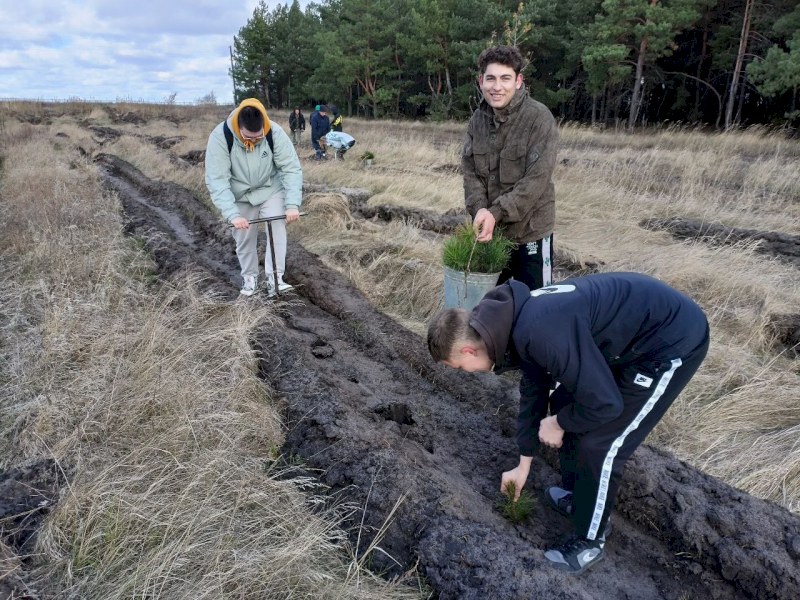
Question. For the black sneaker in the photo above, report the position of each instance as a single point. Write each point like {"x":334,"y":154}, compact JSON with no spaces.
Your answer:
{"x":575,"y":555}
{"x":560,"y":500}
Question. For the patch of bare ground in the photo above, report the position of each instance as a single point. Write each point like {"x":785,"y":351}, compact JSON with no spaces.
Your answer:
{"x":420,"y":448}
{"x":783,"y":246}
{"x":27,"y":495}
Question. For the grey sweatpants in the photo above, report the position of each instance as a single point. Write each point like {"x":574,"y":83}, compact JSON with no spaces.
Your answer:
{"x":247,"y":239}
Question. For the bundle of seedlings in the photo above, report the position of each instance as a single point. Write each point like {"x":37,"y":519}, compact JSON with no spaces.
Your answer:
{"x":463,"y":252}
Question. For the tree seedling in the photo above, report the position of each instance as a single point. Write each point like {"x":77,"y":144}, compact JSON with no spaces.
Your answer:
{"x":517,"y":510}
{"x":462,"y":252}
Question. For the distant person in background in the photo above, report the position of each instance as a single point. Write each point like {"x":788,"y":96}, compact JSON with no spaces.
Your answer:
{"x":313,"y":115}
{"x":340,"y":141}
{"x":320,"y":125}
{"x":336,"y":122}
{"x":252,"y":172}
{"x":508,"y":161}
{"x":297,"y":125}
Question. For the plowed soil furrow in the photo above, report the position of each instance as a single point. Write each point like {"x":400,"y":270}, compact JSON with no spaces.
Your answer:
{"x":389,"y":429}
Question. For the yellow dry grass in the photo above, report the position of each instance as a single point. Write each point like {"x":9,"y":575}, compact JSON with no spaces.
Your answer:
{"x":175,"y":488}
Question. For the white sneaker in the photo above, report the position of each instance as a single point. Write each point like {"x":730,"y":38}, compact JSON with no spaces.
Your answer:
{"x":249,"y":285}
{"x":282,"y":287}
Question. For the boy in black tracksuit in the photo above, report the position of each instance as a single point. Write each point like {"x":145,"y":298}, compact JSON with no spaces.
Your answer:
{"x":621,"y":347}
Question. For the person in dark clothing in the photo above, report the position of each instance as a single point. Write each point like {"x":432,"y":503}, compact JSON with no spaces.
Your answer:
{"x":336,"y":118}
{"x":320,"y":125}
{"x":297,"y":124}
{"x":619,"y":346}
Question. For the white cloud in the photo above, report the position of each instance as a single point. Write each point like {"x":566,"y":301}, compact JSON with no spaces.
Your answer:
{"x":106,"y":50}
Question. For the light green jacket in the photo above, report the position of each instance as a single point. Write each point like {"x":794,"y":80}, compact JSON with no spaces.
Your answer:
{"x":253,"y":177}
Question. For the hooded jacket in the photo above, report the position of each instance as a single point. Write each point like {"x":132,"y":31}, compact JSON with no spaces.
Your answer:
{"x":250,"y":172}
{"x":508,"y":161}
{"x":336,"y":122}
{"x":297,"y":121}
{"x":320,"y":125}
{"x":575,"y":333}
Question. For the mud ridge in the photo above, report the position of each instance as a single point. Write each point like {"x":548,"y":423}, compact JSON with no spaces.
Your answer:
{"x":389,"y":429}
{"x":428,"y":220}
{"x":784,"y":246}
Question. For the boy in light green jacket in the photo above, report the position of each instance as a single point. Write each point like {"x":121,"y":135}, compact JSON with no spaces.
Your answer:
{"x":252,"y":172}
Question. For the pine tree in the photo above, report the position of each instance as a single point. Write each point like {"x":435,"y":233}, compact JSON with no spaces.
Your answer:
{"x":779,"y":71}
{"x":629,"y":35}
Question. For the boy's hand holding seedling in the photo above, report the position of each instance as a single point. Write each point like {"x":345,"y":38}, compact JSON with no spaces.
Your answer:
{"x":484,"y":225}
{"x":516,"y":477}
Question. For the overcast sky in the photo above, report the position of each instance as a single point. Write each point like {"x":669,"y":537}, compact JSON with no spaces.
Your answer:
{"x":107,"y":50}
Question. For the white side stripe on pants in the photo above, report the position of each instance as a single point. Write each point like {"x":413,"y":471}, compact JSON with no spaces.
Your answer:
{"x":605,"y":474}
{"x":547,"y":268}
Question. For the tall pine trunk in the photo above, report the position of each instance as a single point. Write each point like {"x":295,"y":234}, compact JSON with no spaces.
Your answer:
{"x":737,"y":68}
{"x":696,"y":109}
{"x":636,"y":99}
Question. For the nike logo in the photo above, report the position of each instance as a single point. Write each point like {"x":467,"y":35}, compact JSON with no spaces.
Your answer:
{"x":588,"y":556}
{"x":643,"y":380}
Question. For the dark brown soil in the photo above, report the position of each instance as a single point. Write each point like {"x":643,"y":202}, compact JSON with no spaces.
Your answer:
{"x":365,"y":406}
{"x":783,"y":246}
{"x":26,"y":495}
{"x":785,"y":328}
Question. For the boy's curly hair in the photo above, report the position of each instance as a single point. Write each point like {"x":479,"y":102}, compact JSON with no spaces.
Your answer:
{"x":504,"y":55}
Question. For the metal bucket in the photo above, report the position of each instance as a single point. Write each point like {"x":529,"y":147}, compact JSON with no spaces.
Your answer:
{"x":465,"y":290}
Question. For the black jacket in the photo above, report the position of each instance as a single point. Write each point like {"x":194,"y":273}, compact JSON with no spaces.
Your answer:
{"x":297,"y":121}
{"x":576,"y":332}
{"x":336,"y":122}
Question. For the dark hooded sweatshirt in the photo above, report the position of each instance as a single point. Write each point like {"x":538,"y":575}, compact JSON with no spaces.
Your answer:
{"x":576,"y":332}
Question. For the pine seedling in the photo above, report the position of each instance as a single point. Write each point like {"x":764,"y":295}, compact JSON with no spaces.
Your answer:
{"x":517,"y":510}
{"x":461,"y":251}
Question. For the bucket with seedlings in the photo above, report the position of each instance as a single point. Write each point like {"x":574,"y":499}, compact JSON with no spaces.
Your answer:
{"x":471,"y":268}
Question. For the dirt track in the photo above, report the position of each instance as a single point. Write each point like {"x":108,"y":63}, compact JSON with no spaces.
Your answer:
{"x":365,"y":405}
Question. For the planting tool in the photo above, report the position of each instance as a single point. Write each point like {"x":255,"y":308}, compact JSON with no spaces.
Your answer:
{"x":268,"y":221}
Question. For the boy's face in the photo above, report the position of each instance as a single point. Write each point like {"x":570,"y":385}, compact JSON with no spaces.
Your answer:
{"x":470,"y":357}
{"x":251,"y":136}
{"x":499,"y":84}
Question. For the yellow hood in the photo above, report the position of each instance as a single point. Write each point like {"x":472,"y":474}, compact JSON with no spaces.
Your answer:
{"x":234,"y":118}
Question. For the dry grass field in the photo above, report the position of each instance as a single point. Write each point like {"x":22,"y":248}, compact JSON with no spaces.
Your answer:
{"x":169,"y":443}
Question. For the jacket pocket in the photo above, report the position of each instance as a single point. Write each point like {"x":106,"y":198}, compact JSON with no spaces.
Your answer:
{"x":480,"y":156}
{"x":512,"y":164}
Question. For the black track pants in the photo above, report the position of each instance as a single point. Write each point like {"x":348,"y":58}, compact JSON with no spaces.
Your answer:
{"x":592,"y":463}
{"x":532,"y":264}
